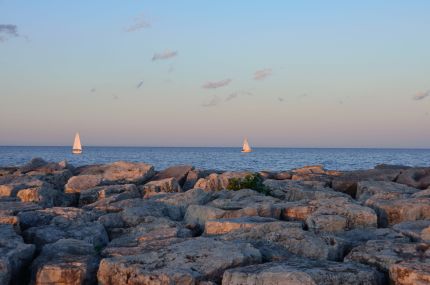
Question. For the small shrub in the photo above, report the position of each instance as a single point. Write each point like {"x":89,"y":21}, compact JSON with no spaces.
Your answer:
{"x":251,"y":181}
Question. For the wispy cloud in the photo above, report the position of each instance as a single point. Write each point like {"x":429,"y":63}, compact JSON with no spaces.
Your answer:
{"x":139,"y":84}
{"x":262,"y":74}
{"x":115,"y":97}
{"x":236,"y":94}
{"x":8,"y":31}
{"x":421,"y":95}
{"x":213,"y":102}
{"x":93,"y":90}
{"x":164,"y":55}
{"x":280,"y":99}
{"x":139,"y":23}
{"x":216,"y":84}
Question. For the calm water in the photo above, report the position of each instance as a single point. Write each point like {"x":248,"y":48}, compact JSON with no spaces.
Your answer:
{"x":224,"y":158}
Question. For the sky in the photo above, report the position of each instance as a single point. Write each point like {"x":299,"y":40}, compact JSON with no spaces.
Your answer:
{"x":209,"y":73}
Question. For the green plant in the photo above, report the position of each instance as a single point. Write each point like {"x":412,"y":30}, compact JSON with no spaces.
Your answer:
{"x":252,"y":181}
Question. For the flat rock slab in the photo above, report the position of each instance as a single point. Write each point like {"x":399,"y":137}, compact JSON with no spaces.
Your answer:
{"x":303,"y":272}
{"x":200,"y":259}
{"x":299,"y":190}
{"x":291,"y":237}
{"x":383,"y":190}
{"x":391,"y":212}
{"x":92,"y":195}
{"x":223,"y":226}
{"x":383,"y":254}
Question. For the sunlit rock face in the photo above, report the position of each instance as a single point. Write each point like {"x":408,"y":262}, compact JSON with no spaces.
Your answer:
{"x":125,"y":223}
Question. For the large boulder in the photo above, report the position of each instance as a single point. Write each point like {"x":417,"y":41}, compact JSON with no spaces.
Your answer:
{"x":217,"y":182}
{"x":296,"y":271}
{"x":415,"y":177}
{"x":223,"y":226}
{"x":383,"y":254}
{"x":299,"y":190}
{"x":50,"y":225}
{"x":395,"y":211}
{"x":234,"y":204}
{"x":188,"y":262}
{"x":416,"y":230}
{"x":382,"y":190}
{"x":66,"y":262}
{"x":338,"y":214}
{"x":15,"y":255}
{"x":291,"y":237}
{"x":156,"y":187}
{"x":92,"y":195}
{"x":119,"y":172}
{"x":347,"y":181}
{"x":179,"y":172}
{"x":410,"y":273}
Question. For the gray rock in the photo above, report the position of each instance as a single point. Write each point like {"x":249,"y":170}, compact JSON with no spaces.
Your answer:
{"x":155,"y":187}
{"x":385,"y":253}
{"x":415,"y":177}
{"x":66,"y":262}
{"x":299,"y":190}
{"x":188,"y":262}
{"x":416,"y":230}
{"x":410,"y":273}
{"x":290,"y":236}
{"x":223,"y":226}
{"x":15,"y":255}
{"x":295,"y":271}
{"x":383,"y":190}
{"x":91,"y":195}
{"x":347,"y":181}
{"x":392,"y":212}
{"x":179,"y":172}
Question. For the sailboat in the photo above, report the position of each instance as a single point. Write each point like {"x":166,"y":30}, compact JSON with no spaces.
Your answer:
{"x":77,"y":147}
{"x":246,"y":147}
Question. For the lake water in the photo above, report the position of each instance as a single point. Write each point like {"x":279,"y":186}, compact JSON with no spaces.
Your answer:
{"x":222,"y":158}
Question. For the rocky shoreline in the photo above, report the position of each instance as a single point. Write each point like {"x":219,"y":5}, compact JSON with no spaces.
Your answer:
{"x":125,"y":223}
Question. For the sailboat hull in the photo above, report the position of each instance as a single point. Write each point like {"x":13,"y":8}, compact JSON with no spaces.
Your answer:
{"x":246,"y":151}
{"x":76,"y":151}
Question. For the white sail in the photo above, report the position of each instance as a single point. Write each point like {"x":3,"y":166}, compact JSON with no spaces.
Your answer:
{"x":77,"y":147}
{"x":246,"y":147}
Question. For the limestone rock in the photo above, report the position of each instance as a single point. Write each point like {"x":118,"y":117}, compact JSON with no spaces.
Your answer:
{"x":297,"y":271}
{"x":383,"y":190}
{"x":179,"y":172}
{"x":48,"y":226}
{"x":91,"y":195}
{"x":188,"y":262}
{"x":66,"y":262}
{"x":217,"y":182}
{"x":392,"y":212}
{"x":385,"y":253}
{"x":291,"y":237}
{"x":416,"y":230}
{"x":410,"y":273}
{"x":337,"y":214}
{"x":15,"y":255}
{"x":298,"y":190}
{"x":167,"y":185}
{"x":122,"y":172}
{"x":415,"y":177}
{"x":347,"y":181}
{"x":223,"y":226}
{"x":76,"y":184}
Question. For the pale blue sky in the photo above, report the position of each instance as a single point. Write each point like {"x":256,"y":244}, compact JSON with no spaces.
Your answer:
{"x":332,"y":73}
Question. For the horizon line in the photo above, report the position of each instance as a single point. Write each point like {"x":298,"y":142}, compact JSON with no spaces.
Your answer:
{"x":254,"y":147}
